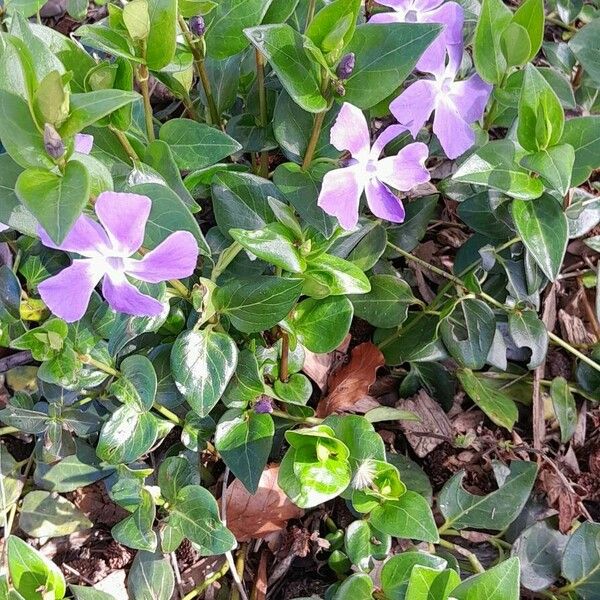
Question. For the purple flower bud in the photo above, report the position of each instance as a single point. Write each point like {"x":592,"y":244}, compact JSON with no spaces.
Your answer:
{"x":53,"y":142}
{"x":263,"y":406}
{"x":346,"y":66}
{"x":197,"y":26}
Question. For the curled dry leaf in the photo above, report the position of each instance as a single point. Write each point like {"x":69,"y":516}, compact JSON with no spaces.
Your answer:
{"x":255,"y":516}
{"x":318,"y":366}
{"x":349,"y":385}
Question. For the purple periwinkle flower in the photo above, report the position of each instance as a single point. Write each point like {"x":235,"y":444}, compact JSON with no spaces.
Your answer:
{"x":346,"y":66}
{"x":342,"y":188}
{"x":83,"y":143}
{"x":457,"y":104}
{"x":197,"y":25}
{"x":263,"y":406}
{"x":53,"y":143}
{"x":3,"y":227}
{"x":107,"y":248}
{"x":449,"y":14}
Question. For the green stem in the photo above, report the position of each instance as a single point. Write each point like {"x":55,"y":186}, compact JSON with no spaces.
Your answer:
{"x":200,"y":67}
{"x":263,"y":170}
{"x":492,"y":301}
{"x":314,"y":139}
{"x":124,"y":141}
{"x":225,"y":259}
{"x":142,"y":78}
{"x":285,"y":351}
{"x":307,"y":420}
{"x":312,"y":4}
{"x":473,"y":560}
{"x":180,"y":288}
{"x":207,"y":582}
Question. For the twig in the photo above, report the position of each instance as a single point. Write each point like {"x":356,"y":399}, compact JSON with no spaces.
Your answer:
{"x":470,"y":556}
{"x":207,"y":582}
{"x":75,"y":572}
{"x":177,"y":573}
{"x":15,"y":360}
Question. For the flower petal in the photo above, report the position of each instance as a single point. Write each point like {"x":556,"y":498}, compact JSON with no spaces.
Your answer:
{"x":414,"y":106}
{"x":124,"y":217}
{"x":124,"y":297}
{"x":425,"y":6}
{"x":175,"y":258}
{"x":383,"y":203}
{"x":452,"y":16}
{"x":405,"y":170}
{"x":455,"y":135}
{"x":340,"y":195}
{"x":387,"y":17}
{"x":351,"y":132}
{"x":68,"y":293}
{"x":83,"y":143}
{"x":400,"y":5}
{"x":470,"y":97}
{"x":86,"y":237}
{"x":4,"y":227}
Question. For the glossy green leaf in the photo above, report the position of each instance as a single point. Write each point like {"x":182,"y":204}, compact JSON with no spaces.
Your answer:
{"x":554,"y":165}
{"x":528,"y":331}
{"x":283,"y":48}
{"x":396,"y":571}
{"x":56,"y":201}
{"x":321,"y":325}
{"x":543,"y":227}
{"x":257,"y":304}
{"x":363,"y":544}
{"x":137,"y":384}
{"x":530,"y":16}
{"x":497,"y":405}
{"x":136,"y":18}
{"x":135,"y":531}
{"x":81,"y":592}
{"x":358,"y":586}
{"x":487,"y":52}
{"x":151,"y":577}
{"x":328,"y":275}
{"x":175,"y":473}
{"x":586,"y":47}
{"x":565,"y":408}
{"x":515,"y":44}
{"x":498,"y":583}
{"x":583,"y":133}
{"x":163,"y":31}
{"x":244,"y":441}
{"x":246,"y":384}
{"x":496,"y":510}
{"x":386,"y":53}
{"x":196,"y":145}
{"x":202,"y":363}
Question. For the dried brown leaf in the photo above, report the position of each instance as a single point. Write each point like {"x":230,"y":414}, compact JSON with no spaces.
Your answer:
{"x":319,"y":366}
{"x":256,"y":516}
{"x":351,"y":382}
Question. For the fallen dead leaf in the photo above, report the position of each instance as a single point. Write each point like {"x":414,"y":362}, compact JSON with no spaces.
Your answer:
{"x":349,"y":385}
{"x":574,"y":330}
{"x":318,"y":366}
{"x":256,"y":516}
{"x":561,"y":496}
{"x":433,"y":427}
{"x":114,"y":585}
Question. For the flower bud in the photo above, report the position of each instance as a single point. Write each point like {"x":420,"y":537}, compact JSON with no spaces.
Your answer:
{"x":53,"y":143}
{"x":263,"y":406}
{"x":197,"y":26}
{"x":346,"y":66}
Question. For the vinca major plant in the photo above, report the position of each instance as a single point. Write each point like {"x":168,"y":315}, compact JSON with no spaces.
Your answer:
{"x":201,"y":198}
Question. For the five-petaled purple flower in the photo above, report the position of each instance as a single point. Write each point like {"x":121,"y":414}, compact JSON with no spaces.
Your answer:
{"x":457,"y":104}
{"x":449,"y":14}
{"x":107,"y":248}
{"x":342,"y":188}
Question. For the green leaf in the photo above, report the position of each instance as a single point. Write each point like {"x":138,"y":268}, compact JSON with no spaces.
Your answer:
{"x":328,"y":275}
{"x":468,"y":332}
{"x":246,"y":384}
{"x":386,"y":53}
{"x":499,"y":407}
{"x":56,"y":201}
{"x":554,"y":165}
{"x":88,"y":108}
{"x":386,"y":305}
{"x":396,"y":571}
{"x":273,"y":244}
{"x":487,"y":52}
{"x":44,"y":514}
{"x":321,"y":325}
{"x":202,"y":363}
{"x":496,"y":510}
{"x":583,"y":133}
{"x":333,"y":26}
{"x":426,"y":583}
{"x":256,"y":304}
{"x":296,"y":390}
{"x":284,"y":49}
{"x":543,"y":228}
{"x":363,"y":544}
{"x":315,"y":468}
{"x":136,"y":18}
{"x":162,"y":39}
{"x":530,"y":16}
{"x":81,"y":592}
{"x":168,"y":215}
{"x":565,"y":408}
{"x":150,"y":577}
{"x":19,"y":133}
{"x":498,"y":583}
{"x":539,"y":549}
{"x":528,"y":331}
{"x":408,"y":517}
{"x":515,"y":44}
{"x":358,"y":586}
{"x":108,"y":40}
{"x":240,"y":200}
{"x":175,"y":473}
{"x":137,"y":384}
{"x":33,"y":575}
{"x":196,"y":515}
{"x":301,"y":189}
{"x":127,"y":435}
{"x":244,"y":441}
{"x":11,"y":483}
{"x":581,"y":560}
{"x":196,"y":145}
{"x":541,"y":117}
{"x":586,"y":47}
{"x":412,"y":231}
{"x":496,"y":165}
{"x":135,"y":531}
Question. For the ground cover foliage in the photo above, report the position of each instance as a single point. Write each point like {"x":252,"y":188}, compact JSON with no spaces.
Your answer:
{"x":299,"y":299}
